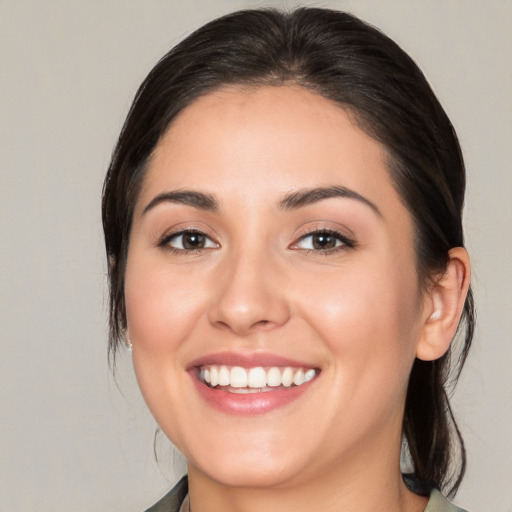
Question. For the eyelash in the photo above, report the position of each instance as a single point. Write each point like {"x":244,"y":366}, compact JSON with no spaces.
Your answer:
{"x":346,"y":243}
{"x":166,"y":240}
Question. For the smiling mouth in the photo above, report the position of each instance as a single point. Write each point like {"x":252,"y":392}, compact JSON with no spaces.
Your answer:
{"x":236,"y":379}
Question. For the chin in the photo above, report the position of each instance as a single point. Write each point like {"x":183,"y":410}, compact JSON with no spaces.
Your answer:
{"x":263,"y":474}
{"x":257,"y":463}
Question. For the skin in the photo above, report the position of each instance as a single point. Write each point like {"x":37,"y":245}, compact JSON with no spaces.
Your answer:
{"x":356,"y":313}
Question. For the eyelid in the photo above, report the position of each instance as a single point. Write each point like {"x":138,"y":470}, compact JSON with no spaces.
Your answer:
{"x":168,"y":227}
{"x":164,"y":240}
{"x":348,"y":241}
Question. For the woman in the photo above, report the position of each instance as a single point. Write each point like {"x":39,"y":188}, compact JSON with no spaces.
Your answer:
{"x":282,"y":218}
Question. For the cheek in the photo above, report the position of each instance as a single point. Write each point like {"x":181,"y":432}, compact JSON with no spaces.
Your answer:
{"x":160,"y":306}
{"x":368,"y":317}
{"x":162,"y":309}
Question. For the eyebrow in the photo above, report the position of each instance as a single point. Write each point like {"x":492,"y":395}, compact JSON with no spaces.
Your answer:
{"x":292,"y":201}
{"x":304,"y":197}
{"x":188,"y":197}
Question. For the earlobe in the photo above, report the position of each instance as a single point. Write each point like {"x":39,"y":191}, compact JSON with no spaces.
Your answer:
{"x":443,"y":306}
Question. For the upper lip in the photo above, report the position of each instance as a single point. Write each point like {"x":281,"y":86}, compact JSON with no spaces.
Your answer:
{"x":250,"y":360}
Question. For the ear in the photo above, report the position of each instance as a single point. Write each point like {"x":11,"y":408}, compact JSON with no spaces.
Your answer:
{"x":443,"y":306}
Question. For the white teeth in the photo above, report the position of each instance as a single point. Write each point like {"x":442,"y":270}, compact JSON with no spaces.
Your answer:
{"x":238,"y":377}
{"x":214,"y":376}
{"x":257,"y":378}
{"x":274,"y":377}
{"x":287,"y":377}
{"x":298,"y":378}
{"x":223,"y":376}
{"x":309,"y":375}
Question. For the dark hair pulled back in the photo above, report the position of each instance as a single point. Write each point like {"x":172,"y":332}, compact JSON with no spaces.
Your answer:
{"x":355,"y":65}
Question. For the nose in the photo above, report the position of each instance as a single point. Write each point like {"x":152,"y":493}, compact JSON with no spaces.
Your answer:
{"x":250,"y":296}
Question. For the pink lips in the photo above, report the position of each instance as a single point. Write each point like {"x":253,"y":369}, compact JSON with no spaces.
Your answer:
{"x":252,"y":403}
{"x":247,"y":360}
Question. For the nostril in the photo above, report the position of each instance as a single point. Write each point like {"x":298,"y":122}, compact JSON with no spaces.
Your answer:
{"x":261,"y":324}
{"x":223,"y":325}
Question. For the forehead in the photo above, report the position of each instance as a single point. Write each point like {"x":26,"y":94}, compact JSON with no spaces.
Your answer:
{"x":261,"y":143}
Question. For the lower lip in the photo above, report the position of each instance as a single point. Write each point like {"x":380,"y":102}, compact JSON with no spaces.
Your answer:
{"x":250,"y":403}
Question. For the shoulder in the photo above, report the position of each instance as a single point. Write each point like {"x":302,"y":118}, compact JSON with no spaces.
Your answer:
{"x":438,"y":503}
{"x":172,"y":501}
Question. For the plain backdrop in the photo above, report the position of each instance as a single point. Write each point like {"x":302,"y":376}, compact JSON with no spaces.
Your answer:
{"x":72,"y":438}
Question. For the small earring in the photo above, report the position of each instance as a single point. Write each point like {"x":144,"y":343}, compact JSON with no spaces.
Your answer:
{"x":127,"y":341}
{"x":436,"y":315}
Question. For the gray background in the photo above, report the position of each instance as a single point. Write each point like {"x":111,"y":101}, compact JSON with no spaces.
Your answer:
{"x":72,"y":438}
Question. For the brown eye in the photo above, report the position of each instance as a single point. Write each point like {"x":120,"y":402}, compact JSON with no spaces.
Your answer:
{"x":193,"y":241}
{"x":189,"y":241}
{"x":323,"y":241}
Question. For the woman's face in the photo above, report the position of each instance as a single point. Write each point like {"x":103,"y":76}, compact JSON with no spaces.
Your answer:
{"x":269,"y":246}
